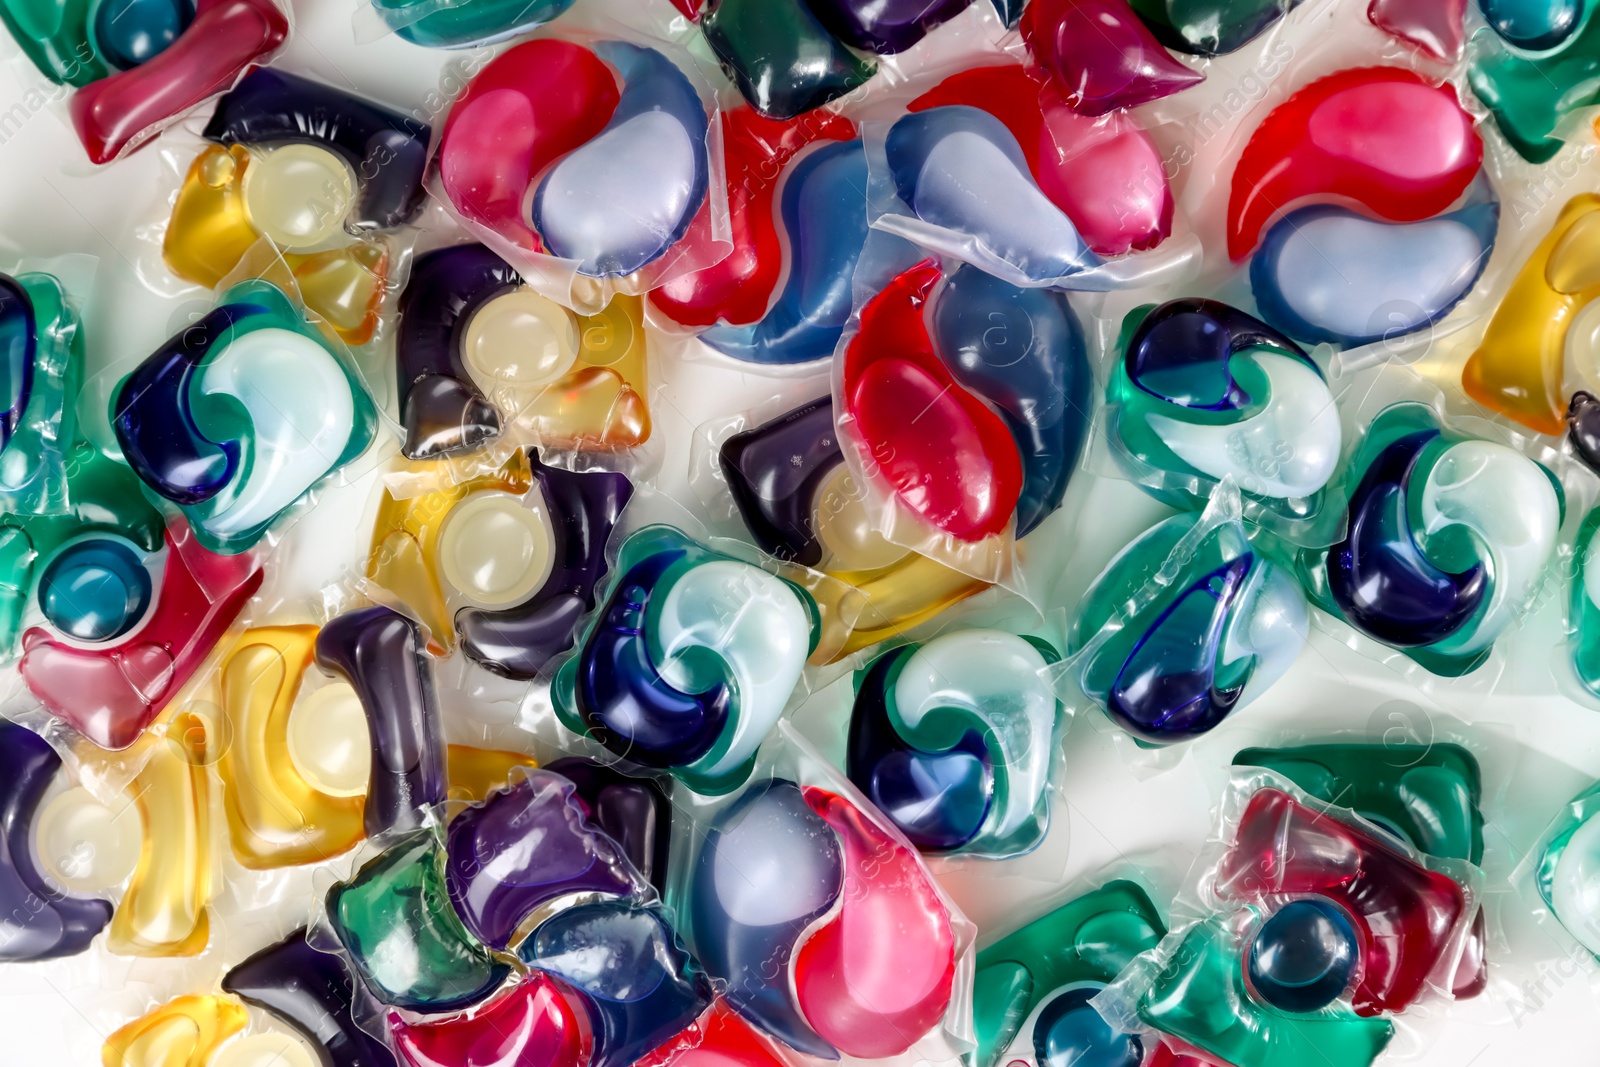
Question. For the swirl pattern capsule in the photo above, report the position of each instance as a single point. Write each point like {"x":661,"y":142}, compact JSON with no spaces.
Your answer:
{"x":551,"y":186}
{"x":799,"y":902}
{"x":1204,"y":392}
{"x":998,"y":373}
{"x":233,"y":421}
{"x":1425,"y":795}
{"x":690,"y":661}
{"x":1184,"y":626}
{"x":1421,"y":232}
{"x":953,"y":741}
{"x":1321,"y":931}
{"x":1448,"y":538}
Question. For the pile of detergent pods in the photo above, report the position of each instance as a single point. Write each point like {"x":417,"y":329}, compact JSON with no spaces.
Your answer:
{"x":661,"y":513}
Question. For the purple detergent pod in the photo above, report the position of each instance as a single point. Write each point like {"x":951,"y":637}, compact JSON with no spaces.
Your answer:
{"x":525,"y":848}
{"x":312,"y":991}
{"x":517,"y":642}
{"x":37,"y":921}
{"x":381,"y":654}
{"x":635,"y":811}
{"x":441,"y":408}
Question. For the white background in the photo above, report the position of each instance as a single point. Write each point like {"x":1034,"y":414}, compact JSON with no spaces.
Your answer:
{"x":1537,"y":748}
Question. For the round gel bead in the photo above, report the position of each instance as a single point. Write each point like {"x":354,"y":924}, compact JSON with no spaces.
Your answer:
{"x":1534,"y":25}
{"x":1070,"y":1033}
{"x":328,"y":740}
{"x":95,"y":590}
{"x":298,"y":195}
{"x":128,"y":33}
{"x":521,"y":337}
{"x":264,"y":1050}
{"x":495,"y":551}
{"x":1303,"y":957}
{"x":84,"y":846}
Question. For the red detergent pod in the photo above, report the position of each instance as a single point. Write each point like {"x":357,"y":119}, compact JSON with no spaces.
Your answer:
{"x":111,"y":694}
{"x":1381,"y":137}
{"x":532,"y":1025}
{"x":738,"y":289}
{"x":948,"y":457}
{"x":1406,"y":915}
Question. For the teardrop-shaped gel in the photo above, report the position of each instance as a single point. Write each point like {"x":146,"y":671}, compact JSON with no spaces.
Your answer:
{"x":1380,"y":136}
{"x":533,"y":104}
{"x":1100,"y":55}
{"x":1023,"y":351}
{"x":769,"y":869}
{"x":878,"y":976}
{"x":650,"y":156}
{"x":915,"y":419}
{"x":1326,"y":274}
{"x":1169,"y":686}
{"x":961,"y":170}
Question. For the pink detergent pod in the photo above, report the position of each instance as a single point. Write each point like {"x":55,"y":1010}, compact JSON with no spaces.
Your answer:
{"x":948,"y":457}
{"x":1100,"y":55}
{"x":110,"y":694}
{"x":1433,"y":27}
{"x":529,"y":107}
{"x":1105,"y":174}
{"x":117,"y":113}
{"x":881,"y":971}
{"x":551,"y":136}
{"x":1381,"y":137}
